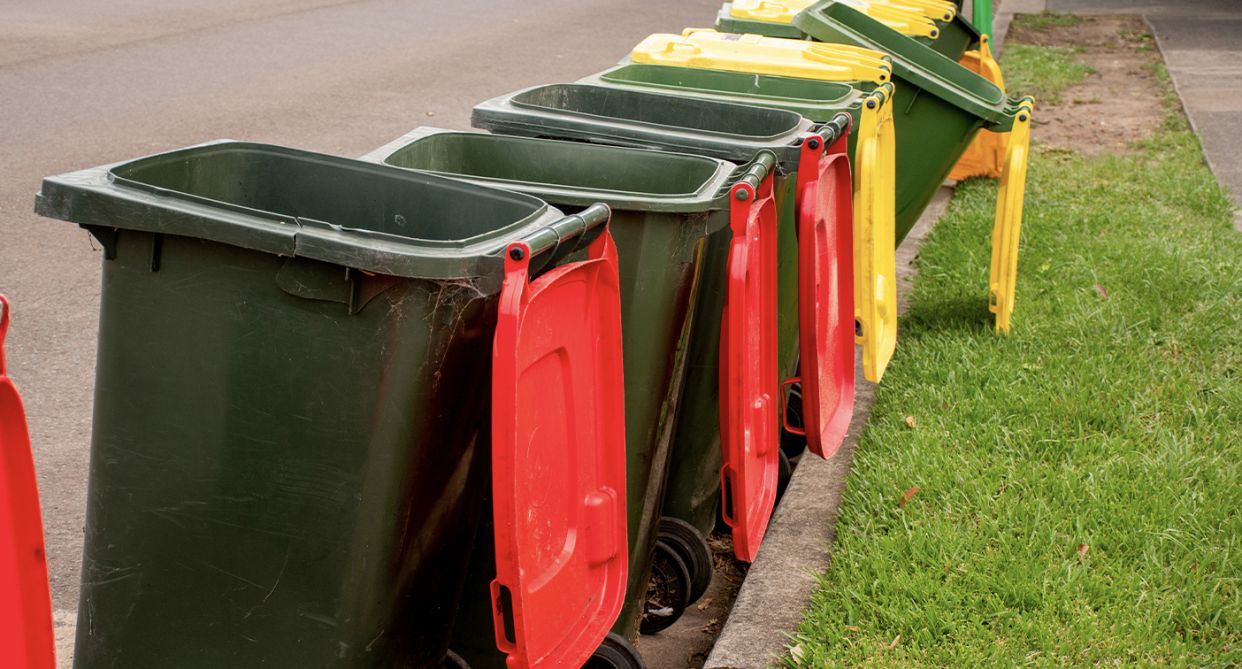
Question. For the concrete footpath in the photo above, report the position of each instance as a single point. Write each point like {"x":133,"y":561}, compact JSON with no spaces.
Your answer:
{"x":1201,"y":41}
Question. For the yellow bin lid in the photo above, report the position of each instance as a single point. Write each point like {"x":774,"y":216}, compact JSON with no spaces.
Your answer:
{"x":755,"y":54}
{"x":905,"y":19}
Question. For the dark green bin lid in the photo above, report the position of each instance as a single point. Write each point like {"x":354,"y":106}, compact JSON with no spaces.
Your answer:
{"x":297,"y":203}
{"x":830,"y":21}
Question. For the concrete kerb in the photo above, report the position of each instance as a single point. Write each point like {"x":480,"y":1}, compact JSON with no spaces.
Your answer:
{"x":799,"y":539}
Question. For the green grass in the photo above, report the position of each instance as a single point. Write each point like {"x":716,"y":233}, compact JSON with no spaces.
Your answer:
{"x":1041,"y":71}
{"x":1080,"y":502}
{"x":1044,"y":20}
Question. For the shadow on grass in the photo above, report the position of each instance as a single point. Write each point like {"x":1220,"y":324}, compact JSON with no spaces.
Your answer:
{"x":959,"y":314}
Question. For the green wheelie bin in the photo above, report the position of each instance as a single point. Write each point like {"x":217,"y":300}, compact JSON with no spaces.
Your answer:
{"x":738,"y":133}
{"x":938,"y":106}
{"x":934,"y":23}
{"x":664,"y":205}
{"x":290,"y":444}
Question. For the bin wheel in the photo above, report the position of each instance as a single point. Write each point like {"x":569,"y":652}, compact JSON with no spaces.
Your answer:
{"x":693,"y":550}
{"x":668,"y":591}
{"x":792,"y":445}
{"x":454,"y":661}
{"x":615,"y":653}
{"x":783,"y":474}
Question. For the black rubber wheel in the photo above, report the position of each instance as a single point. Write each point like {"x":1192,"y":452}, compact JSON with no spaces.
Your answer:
{"x":668,"y":591}
{"x":792,"y":445}
{"x":454,"y":661}
{"x":693,"y":550}
{"x":615,"y":653}
{"x":783,"y":474}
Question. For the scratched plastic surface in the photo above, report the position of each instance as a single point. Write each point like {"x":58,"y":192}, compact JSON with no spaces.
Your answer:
{"x":558,"y":459}
{"x":26,"y":637}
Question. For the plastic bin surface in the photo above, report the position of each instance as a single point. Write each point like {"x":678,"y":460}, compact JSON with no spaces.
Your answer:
{"x":749,"y":432}
{"x":26,"y":638}
{"x":558,"y":459}
{"x":755,"y":54}
{"x":825,"y":295}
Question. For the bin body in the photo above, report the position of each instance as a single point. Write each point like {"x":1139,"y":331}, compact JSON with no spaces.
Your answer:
{"x":727,"y":131}
{"x":662,"y":206}
{"x":289,"y":455}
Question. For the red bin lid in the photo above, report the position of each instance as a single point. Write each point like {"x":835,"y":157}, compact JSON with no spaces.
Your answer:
{"x":26,"y":637}
{"x":749,"y":427}
{"x":825,"y":294}
{"x":558,"y":459}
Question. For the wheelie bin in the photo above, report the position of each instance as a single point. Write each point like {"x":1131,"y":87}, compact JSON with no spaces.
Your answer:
{"x":747,"y":69}
{"x":962,"y":103}
{"x":27,"y":640}
{"x":663,"y":205}
{"x":934,"y":23}
{"x":936,"y":128}
{"x":731,"y":132}
{"x":291,"y":439}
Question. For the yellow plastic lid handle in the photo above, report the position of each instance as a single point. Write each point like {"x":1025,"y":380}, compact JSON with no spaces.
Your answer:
{"x":875,"y":265}
{"x":1007,"y":230}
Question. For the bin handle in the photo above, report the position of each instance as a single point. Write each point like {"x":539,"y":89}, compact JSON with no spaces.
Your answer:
{"x":801,"y":432}
{"x":567,"y":228}
{"x":756,"y":171}
{"x":673,"y":46}
{"x":835,"y":129}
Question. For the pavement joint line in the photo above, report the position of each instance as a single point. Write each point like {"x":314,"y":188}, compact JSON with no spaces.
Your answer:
{"x":799,"y":538}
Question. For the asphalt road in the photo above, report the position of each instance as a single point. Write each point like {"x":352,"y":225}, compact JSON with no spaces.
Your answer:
{"x":85,"y":83}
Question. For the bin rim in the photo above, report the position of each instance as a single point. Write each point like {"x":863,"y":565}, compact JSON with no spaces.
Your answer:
{"x":502,"y":115}
{"x":814,"y":110}
{"x":708,"y":196}
{"x":907,"y":57}
{"x":104,"y":198}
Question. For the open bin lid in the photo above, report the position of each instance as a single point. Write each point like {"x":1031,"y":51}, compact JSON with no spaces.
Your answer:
{"x":749,"y":428}
{"x":921,"y":66}
{"x":755,"y":54}
{"x":558,"y":459}
{"x":825,"y":294}
{"x":875,"y":262}
{"x":26,"y":637}
{"x":1007,"y":229}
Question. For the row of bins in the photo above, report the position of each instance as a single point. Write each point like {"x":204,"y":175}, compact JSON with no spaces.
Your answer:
{"x":476,"y":399}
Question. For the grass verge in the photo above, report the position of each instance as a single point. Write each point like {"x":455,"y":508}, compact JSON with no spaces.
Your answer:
{"x":1072,"y":491}
{"x":1041,"y":71}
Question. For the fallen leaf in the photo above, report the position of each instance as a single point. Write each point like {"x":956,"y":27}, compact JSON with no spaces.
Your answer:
{"x":851,"y":628}
{"x":894,"y":643}
{"x":1082,"y":550}
{"x":796,"y":653}
{"x":907,"y":497}
{"x":706,"y":602}
{"x":1100,"y":289}
{"x":910,"y":422}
